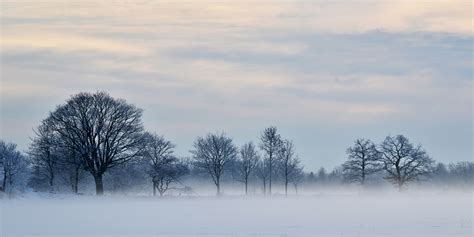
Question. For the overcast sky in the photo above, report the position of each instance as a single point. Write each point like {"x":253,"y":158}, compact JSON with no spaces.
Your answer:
{"x":323,"y":72}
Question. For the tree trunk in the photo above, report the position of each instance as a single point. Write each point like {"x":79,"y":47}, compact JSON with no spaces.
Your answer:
{"x":99,"y":187}
{"x":51,"y":181}
{"x":270,"y":176}
{"x":400,"y":186}
{"x":76,"y":182}
{"x":4,"y":183}
{"x":154,"y":189}
{"x":264,"y":188}
{"x":246,"y":187}
{"x":286,"y":187}
{"x":218,"y":186}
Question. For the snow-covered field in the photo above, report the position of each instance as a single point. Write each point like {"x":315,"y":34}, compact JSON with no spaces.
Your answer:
{"x":309,"y":216}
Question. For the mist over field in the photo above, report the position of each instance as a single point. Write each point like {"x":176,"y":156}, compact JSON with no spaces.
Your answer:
{"x":413,"y":214}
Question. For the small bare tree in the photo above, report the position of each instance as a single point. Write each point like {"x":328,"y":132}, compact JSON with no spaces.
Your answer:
{"x":363,"y":160}
{"x":297,"y":174}
{"x":164,"y":167}
{"x":12,"y":165}
{"x":171,"y":172}
{"x":45,"y":154}
{"x":248,"y":161}
{"x":270,"y":142}
{"x":212,"y":153}
{"x":72,"y":168}
{"x":403,"y":161}
{"x":263,"y":173}
{"x":106,"y":132}
{"x":288,"y":162}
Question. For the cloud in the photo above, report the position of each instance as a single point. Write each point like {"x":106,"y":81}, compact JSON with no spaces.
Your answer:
{"x":344,"y":68}
{"x":66,"y":43}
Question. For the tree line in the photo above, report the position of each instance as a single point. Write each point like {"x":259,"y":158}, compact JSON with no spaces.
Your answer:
{"x":94,"y":134}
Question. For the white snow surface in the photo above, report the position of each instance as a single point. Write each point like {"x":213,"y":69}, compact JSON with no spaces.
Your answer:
{"x":305,"y":216}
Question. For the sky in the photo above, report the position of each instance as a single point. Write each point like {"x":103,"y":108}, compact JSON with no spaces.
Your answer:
{"x":324,"y":72}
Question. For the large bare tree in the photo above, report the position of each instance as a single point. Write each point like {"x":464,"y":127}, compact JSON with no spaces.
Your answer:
{"x":248,"y":161}
{"x":213,"y":153}
{"x":363,"y":160}
{"x":270,"y":143}
{"x":404,"y":162}
{"x":105,"y":131}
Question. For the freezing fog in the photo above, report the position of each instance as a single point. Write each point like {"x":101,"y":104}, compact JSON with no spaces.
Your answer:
{"x":328,"y":213}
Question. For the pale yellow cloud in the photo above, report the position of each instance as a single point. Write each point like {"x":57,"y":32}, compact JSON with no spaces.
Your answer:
{"x":67,"y":43}
{"x":454,"y":16}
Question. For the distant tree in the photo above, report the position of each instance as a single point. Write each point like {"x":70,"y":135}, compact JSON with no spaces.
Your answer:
{"x":105,"y":131}
{"x":248,"y":161}
{"x":335,"y":177}
{"x":263,"y":172}
{"x":404,"y":162}
{"x":322,"y":175}
{"x":363,"y":160}
{"x":12,"y":166}
{"x":45,"y":152}
{"x":297,"y":175}
{"x":164,"y":167}
{"x":462,"y":172}
{"x":440,"y":174}
{"x":213,"y":153}
{"x":288,"y":163}
{"x":270,"y":143}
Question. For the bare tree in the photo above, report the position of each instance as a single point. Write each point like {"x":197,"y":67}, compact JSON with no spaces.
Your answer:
{"x":171,"y":172}
{"x":12,"y":164}
{"x":212,"y":153}
{"x":403,"y":161}
{"x":270,"y":142}
{"x":106,"y":132}
{"x":462,"y":172}
{"x":44,"y":153}
{"x":72,"y":168}
{"x":363,"y":160}
{"x":297,"y":174}
{"x":248,"y":161}
{"x":263,"y":173}
{"x":164,"y":167}
{"x":287,"y":162}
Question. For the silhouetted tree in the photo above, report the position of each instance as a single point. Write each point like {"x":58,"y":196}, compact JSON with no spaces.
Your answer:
{"x":404,"y":162}
{"x":212,"y":153}
{"x":164,"y":167}
{"x":263,"y":172}
{"x":288,"y":163}
{"x":297,"y":175}
{"x":363,"y":160}
{"x":248,"y":161}
{"x":270,"y":143}
{"x":12,"y":166}
{"x":106,"y":132}
{"x":45,"y":152}
{"x":71,"y":168}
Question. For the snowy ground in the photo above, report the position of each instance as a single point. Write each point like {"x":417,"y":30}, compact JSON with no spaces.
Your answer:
{"x":308,"y":216}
